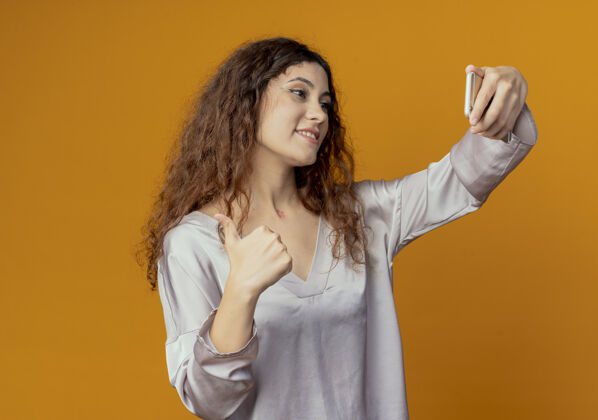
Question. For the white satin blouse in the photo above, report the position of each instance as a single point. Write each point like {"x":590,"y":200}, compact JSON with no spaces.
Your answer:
{"x":329,"y":347}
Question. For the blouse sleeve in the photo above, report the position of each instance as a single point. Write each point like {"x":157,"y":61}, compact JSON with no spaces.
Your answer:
{"x":211,"y":384}
{"x":406,"y":208}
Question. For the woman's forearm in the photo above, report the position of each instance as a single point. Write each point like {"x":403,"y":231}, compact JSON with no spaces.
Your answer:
{"x":233,"y":323}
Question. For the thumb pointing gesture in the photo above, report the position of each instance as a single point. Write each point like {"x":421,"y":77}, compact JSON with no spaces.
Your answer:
{"x":231,"y":236}
{"x":257,"y":260}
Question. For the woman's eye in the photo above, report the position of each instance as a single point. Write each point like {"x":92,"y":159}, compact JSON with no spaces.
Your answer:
{"x":326,"y":105}
{"x":298,"y":90}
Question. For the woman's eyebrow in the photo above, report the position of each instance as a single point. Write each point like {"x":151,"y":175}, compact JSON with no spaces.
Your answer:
{"x":310,"y":84}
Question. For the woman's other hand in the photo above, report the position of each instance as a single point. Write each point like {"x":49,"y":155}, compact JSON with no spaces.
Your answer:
{"x":257,"y":260}
{"x":504,"y":89}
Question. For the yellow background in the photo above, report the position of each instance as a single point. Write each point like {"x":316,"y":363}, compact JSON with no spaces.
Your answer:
{"x":498,"y":310}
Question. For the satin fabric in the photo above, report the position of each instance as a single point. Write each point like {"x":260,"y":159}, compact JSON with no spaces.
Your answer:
{"x":329,"y":347}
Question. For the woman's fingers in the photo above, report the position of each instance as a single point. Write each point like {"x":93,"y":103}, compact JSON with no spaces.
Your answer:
{"x":496,"y":115}
{"x":501,"y":122}
{"x":231,"y":235}
{"x":498,"y":102}
{"x":484,"y":103}
{"x":501,"y":114}
{"x":477,"y":70}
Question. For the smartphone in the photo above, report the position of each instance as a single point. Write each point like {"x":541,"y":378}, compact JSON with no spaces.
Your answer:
{"x":472,"y":87}
{"x":473,"y":82}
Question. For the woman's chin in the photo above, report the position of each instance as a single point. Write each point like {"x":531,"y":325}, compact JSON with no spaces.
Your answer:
{"x":307,"y":160}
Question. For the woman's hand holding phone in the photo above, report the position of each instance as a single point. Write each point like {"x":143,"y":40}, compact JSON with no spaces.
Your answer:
{"x":494,"y":99}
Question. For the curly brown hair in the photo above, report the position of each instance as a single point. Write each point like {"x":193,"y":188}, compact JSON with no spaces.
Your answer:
{"x":210,"y":159}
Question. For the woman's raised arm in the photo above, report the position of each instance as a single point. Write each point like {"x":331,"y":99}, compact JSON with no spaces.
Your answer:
{"x":456,"y":185}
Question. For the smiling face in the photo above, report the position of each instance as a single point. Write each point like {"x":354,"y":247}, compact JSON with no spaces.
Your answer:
{"x":295,"y":101}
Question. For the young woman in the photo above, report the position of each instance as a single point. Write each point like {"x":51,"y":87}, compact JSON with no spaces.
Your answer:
{"x":274,"y":267}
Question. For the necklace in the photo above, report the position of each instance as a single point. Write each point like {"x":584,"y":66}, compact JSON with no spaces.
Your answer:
{"x":280,"y":213}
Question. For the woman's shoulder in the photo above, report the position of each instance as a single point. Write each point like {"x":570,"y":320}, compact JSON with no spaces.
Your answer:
{"x":209,"y":209}
{"x":195,"y":230}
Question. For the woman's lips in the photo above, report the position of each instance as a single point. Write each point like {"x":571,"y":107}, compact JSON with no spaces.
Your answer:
{"x":308,"y":138}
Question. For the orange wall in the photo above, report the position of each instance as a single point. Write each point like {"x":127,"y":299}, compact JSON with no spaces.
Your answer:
{"x":497,"y":310}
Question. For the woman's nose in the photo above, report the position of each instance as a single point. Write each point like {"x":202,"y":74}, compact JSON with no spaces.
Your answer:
{"x":316,"y":111}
